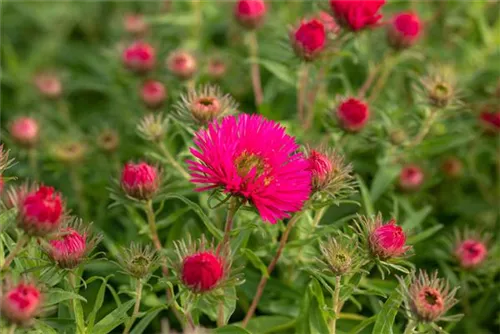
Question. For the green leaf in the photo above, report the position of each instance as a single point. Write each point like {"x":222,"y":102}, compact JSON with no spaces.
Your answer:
{"x":382,"y":180}
{"x":365,"y":196}
{"x":311,"y":319}
{"x":216,"y":232}
{"x":417,"y":218}
{"x":97,"y":305}
{"x":270,"y":324}
{"x":229,"y":303}
{"x":424,"y":235}
{"x":280,"y":71}
{"x":114,"y":319}
{"x":56,"y":295}
{"x":43,"y":327}
{"x":255,"y":260}
{"x":146,"y":319}
{"x":385,"y":319}
{"x":362,"y":325}
{"x":231,"y":329}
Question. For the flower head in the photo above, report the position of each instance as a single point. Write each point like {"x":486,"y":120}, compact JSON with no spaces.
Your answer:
{"x":439,"y":87}
{"x":353,"y":114}
{"x":140,"y":181}
{"x":404,"y":30}
{"x":153,"y":94}
{"x":139,"y":57}
{"x":40,"y":211}
{"x":411,"y":178}
{"x":182,"y":64}
{"x":153,"y":127}
{"x":25,"y":131}
{"x":490,"y":120}
{"x":139,"y":261}
{"x":427,"y":298}
{"x":135,"y":24}
{"x":201,"y":267}
{"x":21,"y":303}
{"x":48,"y":85}
{"x":309,"y":39}
{"x":341,"y":255}
{"x":204,"y":105}
{"x":452,"y":167}
{"x":250,"y":13}
{"x":470,"y":249}
{"x":108,"y":140}
{"x":357,"y":14}
{"x":252,"y":157}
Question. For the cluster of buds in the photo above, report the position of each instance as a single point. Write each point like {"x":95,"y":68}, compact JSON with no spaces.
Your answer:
{"x":201,"y":267}
{"x":138,"y":261}
{"x":25,"y":131}
{"x":250,"y":13}
{"x":383,"y":240}
{"x":357,"y":15}
{"x":411,"y":178}
{"x":404,"y":30}
{"x":309,"y":39}
{"x":153,"y":127}
{"x":21,"y":303}
{"x":353,"y":114}
{"x":153,"y":94}
{"x":48,"y":85}
{"x":427,"y":298}
{"x":204,"y":105}
{"x":140,"y":181}
{"x":182,"y":64}
{"x":470,"y":249}
{"x":139,"y":57}
{"x":108,"y":140}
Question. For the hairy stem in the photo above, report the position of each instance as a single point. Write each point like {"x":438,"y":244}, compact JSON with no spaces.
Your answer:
{"x":253,"y":48}
{"x":19,"y":246}
{"x":173,"y":162}
{"x":410,"y":327}
{"x":301,"y":91}
{"x":313,"y":93}
{"x":231,"y":211}
{"x":426,"y":126}
{"x":270,"y":268}
{"x":138,"y":294}
{"x":220,"y":314}
{"x":335,"y":305}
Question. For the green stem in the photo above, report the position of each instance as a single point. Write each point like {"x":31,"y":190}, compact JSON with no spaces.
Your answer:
{"x":135,"y":313}
{"x":270,"y":268}
{"x":231,"y":211}
{"x":301,"y":91}
{"x":173,"y":162}
{"x":253,"y":48}
{"x":384,"y":69}
{"x":76,"y":183}
{"x":12,"y":328}
{"x":336,"y":305}
{"x":80,"y":326}
{"x":19,"y":246}
{"x":33,"y":162}
{"x":426,"y":127}
{"x":410,"y":327}
{"x":220,"y":314}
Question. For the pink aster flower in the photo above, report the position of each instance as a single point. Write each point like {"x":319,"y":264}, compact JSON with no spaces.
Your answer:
{"x":252,"y":157}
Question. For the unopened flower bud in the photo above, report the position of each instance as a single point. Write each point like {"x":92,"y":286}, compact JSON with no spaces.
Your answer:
{"x":397,"y":136}
{"x":250,"y":13}
{"x":69,"y":152}
{"x":339,"y":257}
{"x":329,"y":172}
{"x":357,"y":15}
{"x":470,"y":249}
{"x":40,"y":212}
{"x":182,"y":64}
{"x":353,"y":114}
{"x":153,"y":127}
{"x":138,"y":261}
{"x":139,"y":57}
{"x":309,"y":39}
{"x":135,"y":24}
{"x":153,"y":94}
{"x":387,"y":240}
{"x":202,"y":271}
{"x":69,"y":248}
{"x":48,"y":85}
{"x":411,"y":178}
{"x":440,"y":87}
{"x":25,"y":131}
{"x":404,"y":30}
{"x":331,"y":26}
{"x":140,"y":181}
{"x":21,"y":303}
{"x":490,"y":120}
{"x":452,"y":167}
{"x":108,"y":140}
{"x":216,"y":68}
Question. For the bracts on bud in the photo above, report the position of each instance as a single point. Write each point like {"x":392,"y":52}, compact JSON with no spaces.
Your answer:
{"x":139,"y":261}
{"x":21,"y":303}
{"x":140,"y":181}
{"x":309,"y":39}
{"x":250,"y":13}
{"x":182,"y":64}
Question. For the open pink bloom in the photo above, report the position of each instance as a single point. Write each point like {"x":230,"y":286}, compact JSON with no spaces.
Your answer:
{"x":309,"y":39}
{"x":471,"y":253}
{"x":21,"y":303}
{"x":404,"y":30}
{"x":202,"y":271}
{"x":249,"y":13}
{"x":411,"y":178}
{"x":24,"y":130}
{"x":357,"y":14}
{"x":353,"y":114}
{"x":153,"y":93}
{"x":41,"y":211}
{"x":252,"y":157}
{"x":68,"y":250}
{"x":140,"y":181}
{"x":388,"y":240}
{"x":139,"y":57}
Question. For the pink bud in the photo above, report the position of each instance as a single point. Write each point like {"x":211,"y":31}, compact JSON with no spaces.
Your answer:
{"x":320,"y":167}
{"x":69,"y":249}
{"x":357,"y":15}
{"x":140,"y":181}
{"x":21,"y":303}
{"x":411,"y":178}
{"x":452,"y":167}
{"x":202,"y":271}
{"x":329,"y":22}
{"x":490,"y":120}
{"x":216,"y":68}
{"x":139,"y":57}
{"x":182,"y":64}
{"x":309,"y":39}
{"x":24,"y":130}
{"x":404,"y":30}
{"x":41,"y":211}
{"x":353,"y":114}
{"x":250,"y":13}
{"x":135,"y":24}
{"x":471,"y":253}
{"x":387,"y":241}
{"x":49,"y":85}
{"x":153,"y":94}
